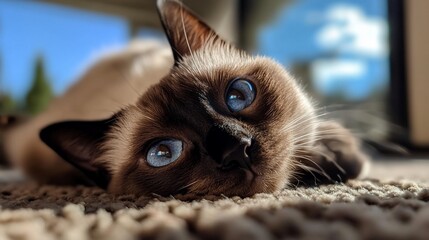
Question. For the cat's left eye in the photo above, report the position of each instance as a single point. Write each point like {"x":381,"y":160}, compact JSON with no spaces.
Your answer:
{"x":239,"y":95}
{"x":164,"y":152}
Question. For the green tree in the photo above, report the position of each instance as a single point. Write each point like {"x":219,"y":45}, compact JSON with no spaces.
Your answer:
{"x":40,"y":93}
{"x":7,"y":104}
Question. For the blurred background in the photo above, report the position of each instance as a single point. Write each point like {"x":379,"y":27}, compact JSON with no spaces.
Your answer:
{"x":354,"y":57}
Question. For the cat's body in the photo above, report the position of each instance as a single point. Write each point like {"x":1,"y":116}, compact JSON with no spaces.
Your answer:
{"x":112,"y":82}
{"x":219,"y":122}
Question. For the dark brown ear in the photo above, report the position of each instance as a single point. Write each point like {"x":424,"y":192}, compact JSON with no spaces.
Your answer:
{"x":78,"y":142}
{"x":185,"y":32}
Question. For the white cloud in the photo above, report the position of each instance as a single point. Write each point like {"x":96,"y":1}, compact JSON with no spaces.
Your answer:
{"x":326,"y":71}
{"x":349,"y":30}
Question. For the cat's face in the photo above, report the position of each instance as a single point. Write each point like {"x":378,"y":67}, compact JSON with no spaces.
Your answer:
{"x":221,"y":122}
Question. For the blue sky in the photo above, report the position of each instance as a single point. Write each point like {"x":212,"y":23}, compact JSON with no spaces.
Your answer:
{"x":354,"y":31}
{"x":66,"y":37}
{"x":304,"y":31}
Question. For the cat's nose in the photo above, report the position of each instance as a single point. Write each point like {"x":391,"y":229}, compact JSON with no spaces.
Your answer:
{"x":236,"y":155}
{"x":227,"y":150}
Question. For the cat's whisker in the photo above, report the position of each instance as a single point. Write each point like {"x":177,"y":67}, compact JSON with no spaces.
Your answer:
{"x":303,"y":119}
{"x":309,"y":170}
{"x":320,"y":170}
{"x":293,"y":129}
{"x":330,"y":107}
{"x":187,"y":186}
{"x":321,"y":135}
{"x":303,"y":142}
{"x":314,"y":170}
{"x":184,"y":30}
{"x":341,"y":169}
{"x":323,"y":154}
{"x":297,"y":120}
{"x":290,"y":184}
{"x":312,"y":151}
{"x":327,"y":134}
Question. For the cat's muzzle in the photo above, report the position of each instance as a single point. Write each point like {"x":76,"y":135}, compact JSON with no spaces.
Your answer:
{"x":230,"y":151}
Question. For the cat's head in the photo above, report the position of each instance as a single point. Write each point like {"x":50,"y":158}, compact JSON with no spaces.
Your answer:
{"x":221,"y":122}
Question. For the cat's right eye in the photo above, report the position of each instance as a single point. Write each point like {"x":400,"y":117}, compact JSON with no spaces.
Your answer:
{"x":164,"y":152}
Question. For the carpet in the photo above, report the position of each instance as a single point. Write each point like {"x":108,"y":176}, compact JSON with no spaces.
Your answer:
{"x":368,"y":209}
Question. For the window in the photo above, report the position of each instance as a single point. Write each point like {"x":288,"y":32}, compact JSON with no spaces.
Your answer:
{"x":337,"y":49}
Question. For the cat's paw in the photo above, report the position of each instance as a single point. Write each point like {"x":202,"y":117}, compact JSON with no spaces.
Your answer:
{"x":335,"y":157}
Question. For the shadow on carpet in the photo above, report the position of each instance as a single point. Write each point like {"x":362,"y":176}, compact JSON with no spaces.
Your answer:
{"x":356,"y":210}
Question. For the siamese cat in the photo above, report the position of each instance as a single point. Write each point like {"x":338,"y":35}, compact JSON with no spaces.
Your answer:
{"x":200,"y":118}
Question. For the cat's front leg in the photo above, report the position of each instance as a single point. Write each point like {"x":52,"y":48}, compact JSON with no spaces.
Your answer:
{"x":335,"y":157}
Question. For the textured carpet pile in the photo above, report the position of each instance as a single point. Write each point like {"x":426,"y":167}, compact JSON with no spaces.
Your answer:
{"x":356,"y":210}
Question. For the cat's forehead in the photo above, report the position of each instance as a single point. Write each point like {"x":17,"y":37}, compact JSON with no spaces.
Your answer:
{"x":213,"y":68}
{"x":225,"y":60}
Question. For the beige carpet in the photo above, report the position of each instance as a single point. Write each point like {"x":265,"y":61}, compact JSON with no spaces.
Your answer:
{"x":357,"y":210}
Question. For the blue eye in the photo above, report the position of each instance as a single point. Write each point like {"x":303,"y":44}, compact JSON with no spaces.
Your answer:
{"x":164,"y":152}
{"x":239,"y":95}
